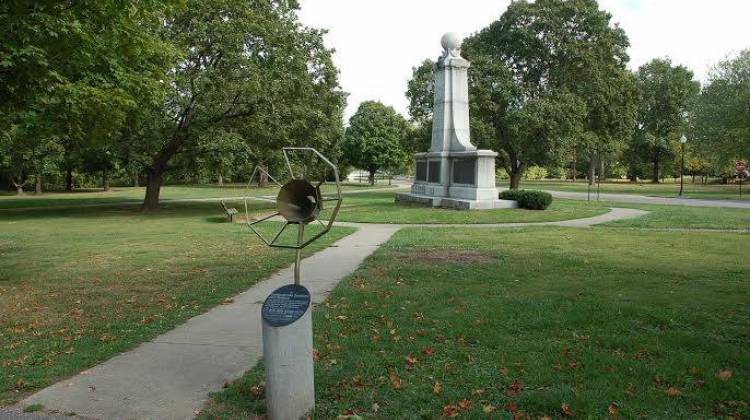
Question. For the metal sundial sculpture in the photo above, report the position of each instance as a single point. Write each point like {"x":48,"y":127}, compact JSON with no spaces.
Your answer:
{"x":286,"y":312}
{"x":299,"y":202}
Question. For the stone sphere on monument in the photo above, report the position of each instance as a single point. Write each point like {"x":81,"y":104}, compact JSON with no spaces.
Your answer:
{"x":451,"y":41}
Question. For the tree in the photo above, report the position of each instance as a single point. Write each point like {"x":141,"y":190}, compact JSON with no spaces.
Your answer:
{"x":421,"y":94}
{"x":546,"y":78}
{"x":248,"y":68}
{"x":566,"y":63}
{"x":722,"y":114}
{"x":70,"y":72}
{"x":375,"y":138}
{"x":666,"y":94}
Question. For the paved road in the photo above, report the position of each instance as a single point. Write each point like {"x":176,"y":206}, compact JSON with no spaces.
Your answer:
{"x":642,"y":199}
{"x":171,"y":376}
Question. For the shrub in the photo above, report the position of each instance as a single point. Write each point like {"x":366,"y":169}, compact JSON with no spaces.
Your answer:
{"x":528,"y":199}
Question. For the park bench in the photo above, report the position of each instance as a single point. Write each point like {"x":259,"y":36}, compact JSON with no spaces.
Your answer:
{"x":230,"y":211}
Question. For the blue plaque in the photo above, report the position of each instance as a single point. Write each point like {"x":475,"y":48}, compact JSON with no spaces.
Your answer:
{"x":285,"y":305}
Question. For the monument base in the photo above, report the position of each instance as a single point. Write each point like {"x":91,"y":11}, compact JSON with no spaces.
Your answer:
{"x":455,"y":203}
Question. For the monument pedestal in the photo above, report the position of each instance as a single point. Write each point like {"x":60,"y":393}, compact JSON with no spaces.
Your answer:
{"x":456,"y":180}
{"x":288,"y":353}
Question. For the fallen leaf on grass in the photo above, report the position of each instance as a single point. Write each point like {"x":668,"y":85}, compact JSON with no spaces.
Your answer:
{"x":489,"y":408}
{"x":566,"y":410}
{"x":450,"y":411}
{"x":724,"y":374}
{"x":673,"y":392}
{"x":515,"y":388}
{"x":395,"y":380}
{"x":504,"y":371}
{"x":227,"y":301}
{"x":316,"y":355}
{"x":464,"y":404}
{"x":428,"y":351}
{"x":411,"y":360}
{"x":613,"y":409}
{"x":437,"y":388}
{"x":511,"y":407}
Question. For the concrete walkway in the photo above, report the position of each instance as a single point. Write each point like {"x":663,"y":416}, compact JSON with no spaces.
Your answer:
{"x":171,"y":376}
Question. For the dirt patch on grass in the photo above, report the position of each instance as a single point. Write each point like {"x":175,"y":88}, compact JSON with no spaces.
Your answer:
{"x":447,"y":255}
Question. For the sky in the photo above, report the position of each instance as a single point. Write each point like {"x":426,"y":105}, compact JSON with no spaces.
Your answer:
{"x":377,"y":42}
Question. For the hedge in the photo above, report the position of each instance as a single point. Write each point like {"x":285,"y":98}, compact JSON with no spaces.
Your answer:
{"x":528,"y":199}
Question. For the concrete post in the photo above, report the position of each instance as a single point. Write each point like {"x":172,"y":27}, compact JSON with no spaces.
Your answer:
{"x":287,"y":355}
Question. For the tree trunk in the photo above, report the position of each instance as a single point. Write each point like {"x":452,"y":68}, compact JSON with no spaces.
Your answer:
{"x":153,"y":187}
{"x":221,"y":180}
{"x":37,"y":183}
{"x":371,"y":177}
{"x":632,"y":176}
{"x":19,"y":187}
{"x":655,"y":175}
{"x":106,"y":178}
{"x":515,"y":180}
{"x":135,"y":181}
{"x":68,"y":179}
{"x":159,"y":162}
{"x":263,"y":178}
{"x":390,"y":178}
{"x":592,"y":171}
{"x":575,"y":164}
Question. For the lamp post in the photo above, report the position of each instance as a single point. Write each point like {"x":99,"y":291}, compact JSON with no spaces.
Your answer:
{"x":683,"y":140}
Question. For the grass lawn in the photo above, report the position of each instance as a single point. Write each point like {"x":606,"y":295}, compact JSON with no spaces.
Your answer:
{"x":379,"y":207}
{"x":78,"y":286}
{"x":134,"y":195}
{"x":533,"y":321}
{"x":683,"y":217}
{"x":669,"y":189}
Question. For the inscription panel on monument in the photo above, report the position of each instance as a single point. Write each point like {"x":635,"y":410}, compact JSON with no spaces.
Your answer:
{"x":464,"y":171}
{"x":433,"y":172}
{"x":421,"y":171}
{"x":285,"y":305}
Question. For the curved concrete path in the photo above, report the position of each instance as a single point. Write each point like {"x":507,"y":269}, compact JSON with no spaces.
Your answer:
{"x":171,"y":376}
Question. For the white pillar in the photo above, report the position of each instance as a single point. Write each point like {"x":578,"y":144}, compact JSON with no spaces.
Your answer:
{"x":288,"y":358}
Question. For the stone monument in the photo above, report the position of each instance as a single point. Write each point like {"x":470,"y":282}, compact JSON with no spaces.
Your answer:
{"x":453,"y":173}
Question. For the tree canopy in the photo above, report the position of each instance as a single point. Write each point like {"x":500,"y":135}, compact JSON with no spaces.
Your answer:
{"x":147,"y":86}
{"x":722,"y":123}
{"x":666,"y":95}
{"x":375,"y":139}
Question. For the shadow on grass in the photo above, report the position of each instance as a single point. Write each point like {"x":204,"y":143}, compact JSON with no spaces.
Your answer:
{"x":211,"y":211}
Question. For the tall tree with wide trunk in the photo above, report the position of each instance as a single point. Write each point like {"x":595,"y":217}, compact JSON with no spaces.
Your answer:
{"x":667,"y":94}
{"x":555,"y":48}
{"x":249,"y":68}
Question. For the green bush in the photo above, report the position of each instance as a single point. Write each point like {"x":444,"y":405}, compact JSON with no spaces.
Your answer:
{"x":528,"y":199}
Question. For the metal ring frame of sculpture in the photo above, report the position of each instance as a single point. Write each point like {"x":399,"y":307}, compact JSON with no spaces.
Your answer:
{"x":298,"y":203}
